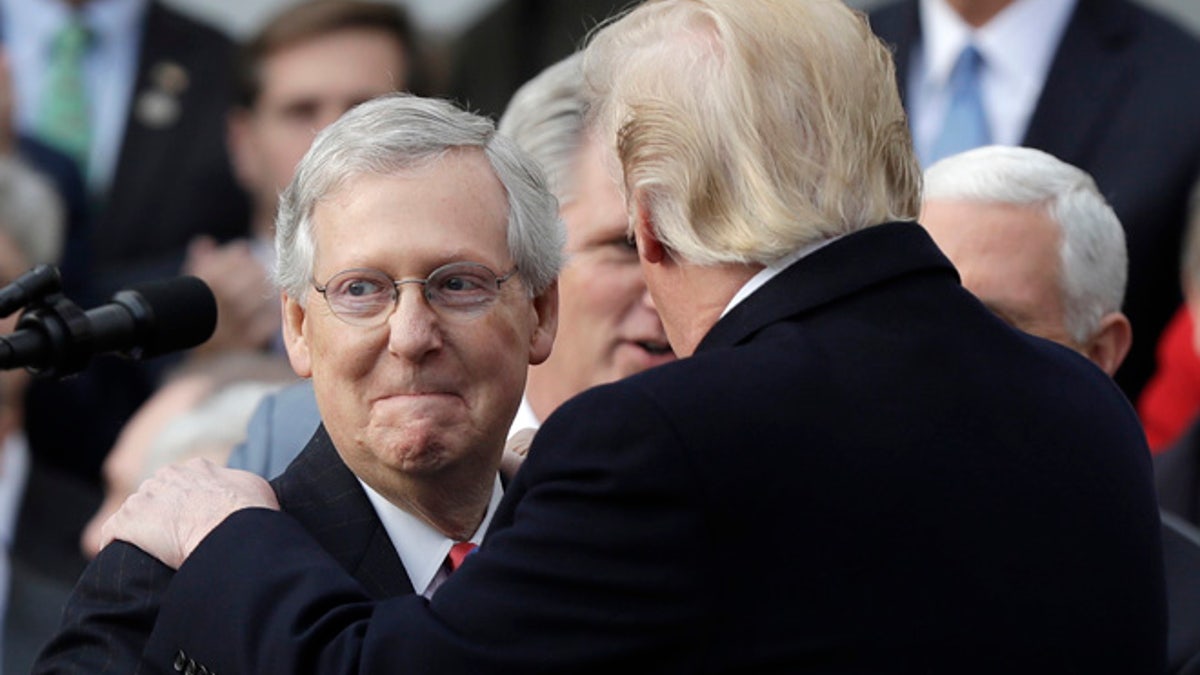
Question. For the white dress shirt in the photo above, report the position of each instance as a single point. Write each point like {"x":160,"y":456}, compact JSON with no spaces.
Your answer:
{"x":421,"y":548}
{"x":1017,"y":46}
{"x":29,"y":28}
{"x":770,"y":271}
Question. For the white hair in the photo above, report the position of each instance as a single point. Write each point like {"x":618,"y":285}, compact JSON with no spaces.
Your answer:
{"x":1093,"y":256}
{"x":545,"y":117}
{"x":398,"y":132}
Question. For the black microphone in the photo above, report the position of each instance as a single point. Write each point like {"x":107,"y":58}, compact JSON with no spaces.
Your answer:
{"x":33,"y":285}
{"x":147,"y":320}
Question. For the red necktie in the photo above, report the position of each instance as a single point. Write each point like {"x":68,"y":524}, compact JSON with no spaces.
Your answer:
{"x":459,"y":553}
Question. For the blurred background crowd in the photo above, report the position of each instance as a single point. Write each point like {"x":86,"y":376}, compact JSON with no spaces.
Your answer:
{"x":198,"y":112}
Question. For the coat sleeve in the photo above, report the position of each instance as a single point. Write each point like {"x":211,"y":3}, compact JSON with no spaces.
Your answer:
{"x":109,"y":615}
{"x":581,"y":572}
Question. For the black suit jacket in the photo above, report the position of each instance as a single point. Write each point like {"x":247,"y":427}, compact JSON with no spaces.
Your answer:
{"x":173,"y":181}
{"x":113,"y":607}
{"x":861,"y":470}
{"x":1117,"y":103}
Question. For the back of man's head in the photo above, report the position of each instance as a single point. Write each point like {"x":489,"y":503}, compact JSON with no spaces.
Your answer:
{"x":546,"y":119}
{"x":750,"y":128}
{"x":1092,"y":256}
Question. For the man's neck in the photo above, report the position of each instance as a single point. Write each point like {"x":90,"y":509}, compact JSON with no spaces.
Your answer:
{"x":690,"y":299}
{"x":454,"y":506}
{"x":544,"y":391}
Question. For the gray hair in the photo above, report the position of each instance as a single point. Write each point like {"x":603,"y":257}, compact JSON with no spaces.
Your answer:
{"x":31,"y":212}
{"x":545,"y":117}
{"x":399,"y":132}
{"x":1094,"y":261}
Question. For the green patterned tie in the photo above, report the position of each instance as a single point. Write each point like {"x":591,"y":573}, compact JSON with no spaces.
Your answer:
{"x":63,"y":116}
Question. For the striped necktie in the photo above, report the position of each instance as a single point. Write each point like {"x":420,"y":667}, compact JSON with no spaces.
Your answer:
{"x":965,"y":125}
{"x":63,"y":119}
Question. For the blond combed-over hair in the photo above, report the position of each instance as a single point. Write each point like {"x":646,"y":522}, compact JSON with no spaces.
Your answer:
{"x":752,"y":128}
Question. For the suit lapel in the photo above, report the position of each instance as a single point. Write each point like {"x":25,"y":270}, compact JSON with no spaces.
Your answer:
{"x":320,"y":492}
{"x":1086,"y":81}
{"x":842,"y":268}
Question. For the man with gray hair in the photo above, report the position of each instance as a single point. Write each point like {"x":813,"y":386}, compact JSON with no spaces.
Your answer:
{"x":418,"y":252}
{"x":607,"y":326}
{"x":855,"y":468}
{"x":1033,"y":238}
{"x":1036,"y":242}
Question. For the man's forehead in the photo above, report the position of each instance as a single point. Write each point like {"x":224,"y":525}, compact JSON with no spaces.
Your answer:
{"x":457,"y":191}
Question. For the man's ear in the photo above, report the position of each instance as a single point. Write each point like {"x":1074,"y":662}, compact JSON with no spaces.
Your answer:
{"x":1111,"y":343}
{"x":545,"y":307}
{"x":294,"y":325}
{"x":650,"y":248}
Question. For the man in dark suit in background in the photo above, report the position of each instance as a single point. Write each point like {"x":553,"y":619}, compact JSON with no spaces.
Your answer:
{"x":149,"y":139}
{"x":416,"y":390}
{"x":1100,"y":84}
{"x":513,"y":42}
{"x":857,"y":468}
{"x":145,"y":92}
{"x":156,"y":174}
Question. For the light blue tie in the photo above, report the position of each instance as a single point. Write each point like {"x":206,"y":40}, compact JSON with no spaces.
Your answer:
{"x":966,"y":123}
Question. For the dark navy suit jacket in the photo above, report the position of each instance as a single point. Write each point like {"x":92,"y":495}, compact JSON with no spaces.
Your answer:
{"x":1119,"y":103}
{"x":861,"y":470}
{"x":109,"y":615}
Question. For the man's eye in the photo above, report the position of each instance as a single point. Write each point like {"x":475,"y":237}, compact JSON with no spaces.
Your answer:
{"x":359,"y":288}
{"x":461,"y":283}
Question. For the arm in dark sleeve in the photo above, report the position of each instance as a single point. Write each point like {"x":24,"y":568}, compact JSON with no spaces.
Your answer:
{"x":109,"y":615}
{"x":581,"y":572}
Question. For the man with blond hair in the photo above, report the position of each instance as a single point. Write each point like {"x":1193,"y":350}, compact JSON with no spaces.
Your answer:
{"x":856,"y":468}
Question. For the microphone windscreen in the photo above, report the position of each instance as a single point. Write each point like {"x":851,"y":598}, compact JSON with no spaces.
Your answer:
{"x":176,"y":314}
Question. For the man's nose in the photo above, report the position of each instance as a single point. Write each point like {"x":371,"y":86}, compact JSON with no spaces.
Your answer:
{"x":414,"y":327}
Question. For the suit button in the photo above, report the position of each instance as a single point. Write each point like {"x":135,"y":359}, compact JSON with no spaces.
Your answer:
{"x":180,"y":661}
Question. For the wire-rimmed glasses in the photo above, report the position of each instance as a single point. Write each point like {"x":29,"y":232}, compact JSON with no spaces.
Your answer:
{"x":367,"y":297}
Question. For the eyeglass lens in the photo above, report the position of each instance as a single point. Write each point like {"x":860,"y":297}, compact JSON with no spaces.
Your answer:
{"x":367,"y":296}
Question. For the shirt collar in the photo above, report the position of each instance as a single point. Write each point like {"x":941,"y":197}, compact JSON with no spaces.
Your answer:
{"x":767,"y":273}
{"x":421,"y":548}
{"x":119,"y":21}
{"x":40,"y":20}
{"x":1018,"y":43}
